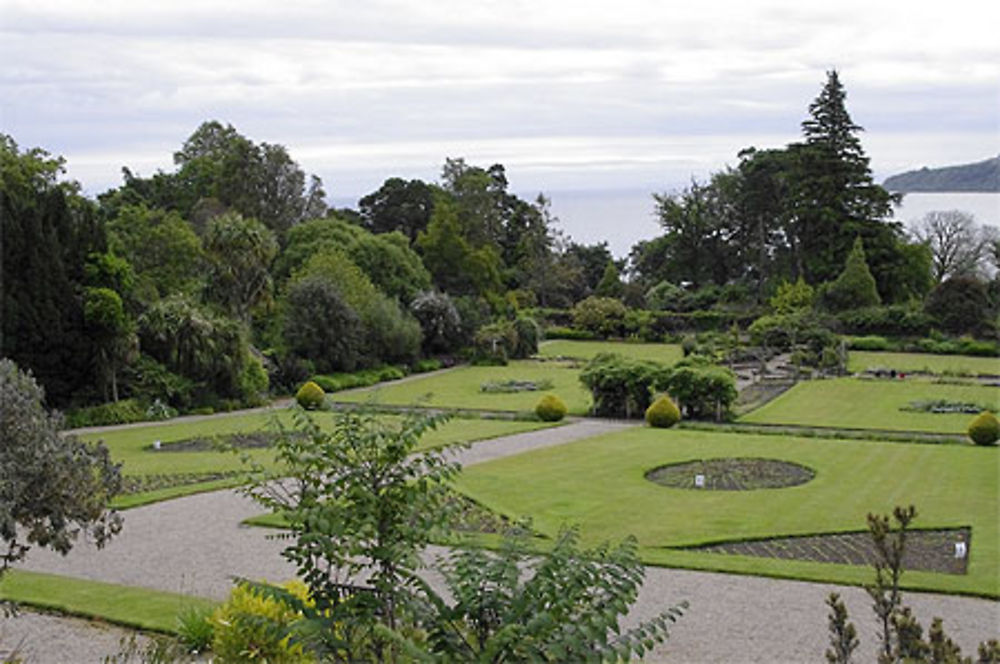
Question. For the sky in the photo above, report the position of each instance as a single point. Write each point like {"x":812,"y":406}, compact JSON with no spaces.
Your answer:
{"x":571,"y":96}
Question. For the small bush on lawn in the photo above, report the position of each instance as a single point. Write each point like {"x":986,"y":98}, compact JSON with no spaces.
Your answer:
{"x":245,"y":627}
{"x":663,"y":414}
{"x":985,"y":429}
{"x":310,"y":396}
{"x":550,"y":408}
{"x":870,"y":342}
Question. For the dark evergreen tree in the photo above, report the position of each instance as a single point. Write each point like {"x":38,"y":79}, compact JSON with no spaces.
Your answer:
{"x":47,"y":231}
{"x":835,"y":198}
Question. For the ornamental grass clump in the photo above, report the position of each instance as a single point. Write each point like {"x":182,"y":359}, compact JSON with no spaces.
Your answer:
{"x":550,"y":408}
{"x":310,"y":396}
{"x":663,"y":413}
{"x":984,"y":429}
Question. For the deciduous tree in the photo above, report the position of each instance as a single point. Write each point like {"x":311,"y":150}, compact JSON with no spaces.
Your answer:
{"x":53,"y":488}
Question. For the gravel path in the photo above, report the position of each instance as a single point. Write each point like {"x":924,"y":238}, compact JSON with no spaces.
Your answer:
{"x":195,"y":545}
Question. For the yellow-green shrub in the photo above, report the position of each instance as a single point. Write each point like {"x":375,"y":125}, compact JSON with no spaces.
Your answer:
{"x":550,"y":408}
{"x":246,"y":627}
{"x":663,"y":413}
{"x":310,"y":396}
{"x":984,"y":429}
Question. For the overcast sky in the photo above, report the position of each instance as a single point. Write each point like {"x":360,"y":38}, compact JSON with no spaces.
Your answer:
{"x":568,"y":95}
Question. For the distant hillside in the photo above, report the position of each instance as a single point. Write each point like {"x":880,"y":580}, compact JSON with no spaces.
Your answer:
{"x":980,"y":176}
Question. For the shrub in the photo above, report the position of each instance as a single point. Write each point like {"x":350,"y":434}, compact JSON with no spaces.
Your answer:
{"x":253,"y":382}
{"x":528,"y":335}
{"x":620,"y":386}
{"x":663,"y":413}
{"x":439,"y":321}
{"x":893,"y":320}
{"x":603,"y":316}
{"x":959,"y":304}
{"x":425,"y":365}
{"x":117,"y":412}
{"x":494,"y":343}
{"x":245,"y":627}
{"x":550,"y":408}
{"x":562,"y":332}
{"x":310,"y":396}
{"x":870,"y":342}
{"x":985,"y":429}
{"x":855,"y":287}
{"x":703,"y":390}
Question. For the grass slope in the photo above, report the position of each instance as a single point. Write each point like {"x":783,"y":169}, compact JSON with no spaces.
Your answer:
{"x":858,"y":360}
{"x":460,"y":388}
{"x":870,"y":404}
{"x":599,"y":484}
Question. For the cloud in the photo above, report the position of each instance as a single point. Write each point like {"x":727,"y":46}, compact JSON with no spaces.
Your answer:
{"x":565,"y":90}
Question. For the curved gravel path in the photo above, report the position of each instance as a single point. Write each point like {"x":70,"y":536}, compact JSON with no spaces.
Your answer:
{"x":195,"y":545}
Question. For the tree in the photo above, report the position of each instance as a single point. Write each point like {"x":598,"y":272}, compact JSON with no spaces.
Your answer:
{"x":958,"y":247}
{"x":855,"y":287}
{"x":564,"y":608}
{"x":47,"y":232}
{"x":699,"y":225}
{"x":220,"y":170}
{"x":439,"y":321}
{"x":239,"y":252}
{"x":611,"y":283}
{"x":164,"y":251}
{"x":319,"y":325}
{"x":259,"y":181}
{"x":398,"y":205}
{"x":960,"y":305}
{"x":456,"y":265}
{"x":362,"y":502}
{"x":196,"y":343}
{"x":836,"y":197}
{"x":52,"y":487}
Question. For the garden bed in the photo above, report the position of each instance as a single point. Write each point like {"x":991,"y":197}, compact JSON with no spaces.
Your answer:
{"x":732,"y":474}
{"x":926,"y":550}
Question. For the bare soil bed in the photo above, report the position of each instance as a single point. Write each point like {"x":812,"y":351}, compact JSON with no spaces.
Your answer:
{"x":743,"y":474}
{"x":927,"y":550}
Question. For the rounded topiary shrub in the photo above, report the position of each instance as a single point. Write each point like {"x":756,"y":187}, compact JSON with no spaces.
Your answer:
{"x":310,"y":396}
{"x":985,"y":429}
{"x":663,"y":413}
{"x":550,"y":408}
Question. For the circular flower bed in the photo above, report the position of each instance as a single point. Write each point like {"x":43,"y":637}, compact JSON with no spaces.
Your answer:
{"x":732,"y":474}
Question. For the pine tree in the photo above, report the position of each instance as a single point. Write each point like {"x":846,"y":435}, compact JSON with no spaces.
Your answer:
{"x":835,"y":198}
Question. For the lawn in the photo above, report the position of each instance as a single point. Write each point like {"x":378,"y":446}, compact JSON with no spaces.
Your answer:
{"x":871,"y":404}
{"x":599,"y":484}
{"x":584,"y":350}
{"x":959,"y":365}
{"x":132,"y":446}
{"x":460,"y":388}
{"x":125,"y":605}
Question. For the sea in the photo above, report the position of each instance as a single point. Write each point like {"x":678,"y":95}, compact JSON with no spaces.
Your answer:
{"x":624,"y":217}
